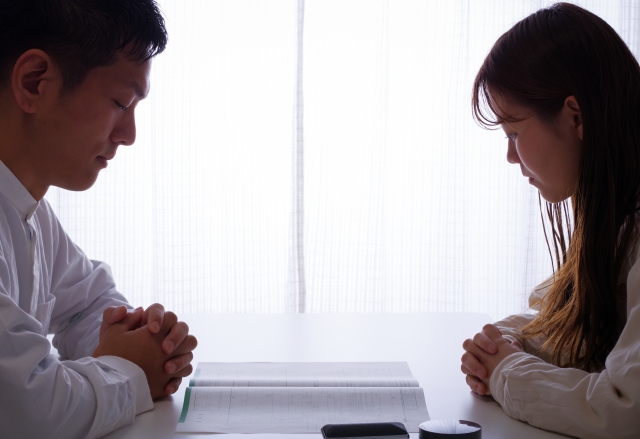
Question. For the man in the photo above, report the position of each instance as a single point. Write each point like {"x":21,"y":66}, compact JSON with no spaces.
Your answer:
{"x":71,"y":75}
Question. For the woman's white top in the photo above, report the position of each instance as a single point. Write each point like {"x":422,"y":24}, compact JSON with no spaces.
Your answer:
{"x":48,"y":285}
{"x":572,"y":401}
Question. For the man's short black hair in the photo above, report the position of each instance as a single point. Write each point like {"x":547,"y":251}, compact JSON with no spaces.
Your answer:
{"x":79,"y":35}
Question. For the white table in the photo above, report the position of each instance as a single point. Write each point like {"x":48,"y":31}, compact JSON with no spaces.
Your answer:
{"x":430,"y":343}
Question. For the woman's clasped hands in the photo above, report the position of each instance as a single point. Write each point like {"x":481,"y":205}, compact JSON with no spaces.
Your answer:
{"x":482,"y":354}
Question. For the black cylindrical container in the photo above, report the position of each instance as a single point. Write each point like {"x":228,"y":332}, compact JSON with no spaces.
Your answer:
{"x":450,"y":429}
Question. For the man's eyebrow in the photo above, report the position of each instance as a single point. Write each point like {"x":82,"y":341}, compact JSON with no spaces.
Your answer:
{"x":136,"y":87}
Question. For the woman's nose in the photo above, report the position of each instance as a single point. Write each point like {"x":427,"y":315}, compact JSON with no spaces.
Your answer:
{"x":512,"y":153}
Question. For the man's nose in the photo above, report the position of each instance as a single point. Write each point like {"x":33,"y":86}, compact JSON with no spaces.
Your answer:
{"x":125,"y":132}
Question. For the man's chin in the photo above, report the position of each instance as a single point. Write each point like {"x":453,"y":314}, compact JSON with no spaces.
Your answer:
{"x":78,"y":185}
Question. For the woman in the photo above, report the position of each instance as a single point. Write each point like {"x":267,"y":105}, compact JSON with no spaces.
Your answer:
{"x":566,"y":90}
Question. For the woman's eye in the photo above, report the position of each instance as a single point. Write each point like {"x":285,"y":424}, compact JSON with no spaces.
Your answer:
{"x":122,"y":107}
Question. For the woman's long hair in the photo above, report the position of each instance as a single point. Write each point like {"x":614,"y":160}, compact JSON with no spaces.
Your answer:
{"x":554,"y":53}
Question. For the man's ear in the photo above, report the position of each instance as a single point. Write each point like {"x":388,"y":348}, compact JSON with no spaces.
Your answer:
{"x":571,"y":105}
{"x":35,"y":78}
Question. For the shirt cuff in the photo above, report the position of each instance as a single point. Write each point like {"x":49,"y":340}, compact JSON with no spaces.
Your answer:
{"x":500,"y":375}
{"x":138,"y":380}
{"x":498,"y":380}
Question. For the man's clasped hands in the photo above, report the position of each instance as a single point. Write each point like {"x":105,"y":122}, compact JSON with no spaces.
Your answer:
{"x":482,"y":354}
{"x":152,"y":339}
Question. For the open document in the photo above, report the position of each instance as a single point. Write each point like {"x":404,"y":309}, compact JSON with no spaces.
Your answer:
{"x":299,"y":397}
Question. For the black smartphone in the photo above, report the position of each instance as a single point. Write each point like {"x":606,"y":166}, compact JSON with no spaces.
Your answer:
{"x":383,"y":430}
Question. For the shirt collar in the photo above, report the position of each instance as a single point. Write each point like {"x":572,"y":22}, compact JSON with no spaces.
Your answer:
{"x":16,"y":193}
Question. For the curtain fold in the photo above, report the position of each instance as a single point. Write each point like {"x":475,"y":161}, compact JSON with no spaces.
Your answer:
{"x":298,"y":291}
{"x":320,"y":156}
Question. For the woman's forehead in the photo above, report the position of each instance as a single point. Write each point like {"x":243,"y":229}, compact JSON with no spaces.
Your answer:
{"x":506,"y":109}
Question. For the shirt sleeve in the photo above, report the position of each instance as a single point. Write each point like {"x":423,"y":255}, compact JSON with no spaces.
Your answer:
{"x":84,"y":397}
{"x":572,"y":401}
{"x":82,"y":288}
{"x":511,"y":327}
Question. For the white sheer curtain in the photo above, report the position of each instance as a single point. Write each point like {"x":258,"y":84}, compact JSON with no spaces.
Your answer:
{"x":320,"y":156}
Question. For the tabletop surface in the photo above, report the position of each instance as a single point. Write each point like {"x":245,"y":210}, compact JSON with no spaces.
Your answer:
{"x":430,"y":343}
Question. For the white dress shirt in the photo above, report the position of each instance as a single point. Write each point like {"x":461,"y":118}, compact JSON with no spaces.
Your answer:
{"x":48,"y":285}
{"x":572,"y":401}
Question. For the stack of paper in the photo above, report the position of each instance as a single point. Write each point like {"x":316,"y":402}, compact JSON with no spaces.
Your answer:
{"x":299,"y":397}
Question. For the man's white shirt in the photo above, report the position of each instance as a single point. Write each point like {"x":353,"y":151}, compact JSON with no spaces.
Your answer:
{"x":48,"y":285}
